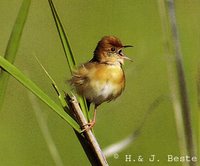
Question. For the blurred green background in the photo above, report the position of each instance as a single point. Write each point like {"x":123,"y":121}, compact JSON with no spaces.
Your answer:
{"x":134,"y":22}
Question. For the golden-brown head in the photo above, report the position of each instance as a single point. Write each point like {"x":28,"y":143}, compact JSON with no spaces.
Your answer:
{"x":109,"y":51}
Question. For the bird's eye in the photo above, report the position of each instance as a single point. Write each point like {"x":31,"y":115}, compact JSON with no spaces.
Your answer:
{"x":113,"y":49}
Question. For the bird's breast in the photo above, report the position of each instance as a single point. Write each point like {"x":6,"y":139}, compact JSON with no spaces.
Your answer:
{"x":108,"y":73}
{"x":106,"y":82}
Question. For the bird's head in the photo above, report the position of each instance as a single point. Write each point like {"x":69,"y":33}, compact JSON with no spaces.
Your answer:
{"x":109,"y":50}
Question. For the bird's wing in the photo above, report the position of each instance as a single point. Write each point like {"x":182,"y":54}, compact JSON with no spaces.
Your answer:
{"x":80,"y":80}
{"x":79,"y":76}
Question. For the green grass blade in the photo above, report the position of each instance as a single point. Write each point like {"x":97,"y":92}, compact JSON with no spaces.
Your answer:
{"x":13,"y":45}
{"x":68,"y":52}
{"x":17,"y":74}
{"x":63,"y":37}
{"x":60,"y":96}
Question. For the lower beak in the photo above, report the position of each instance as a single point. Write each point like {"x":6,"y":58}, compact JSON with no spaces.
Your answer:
{"x":127,"y":58}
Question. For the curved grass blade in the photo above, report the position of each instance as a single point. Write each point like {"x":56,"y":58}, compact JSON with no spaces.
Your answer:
{"x":119,"y":146}
{"x":60,"y":96}
{"x":17,"y":74}
{"x":68,"y":53}
{"x":13,"y":45}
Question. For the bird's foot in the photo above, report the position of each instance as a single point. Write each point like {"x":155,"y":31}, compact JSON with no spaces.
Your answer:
{"x":88,"y":126}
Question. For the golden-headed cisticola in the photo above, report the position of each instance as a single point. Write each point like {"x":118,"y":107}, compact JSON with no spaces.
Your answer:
{"x":102,"y":79}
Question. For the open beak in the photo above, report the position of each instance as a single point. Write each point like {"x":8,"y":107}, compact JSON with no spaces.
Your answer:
{"x":125,"y":57}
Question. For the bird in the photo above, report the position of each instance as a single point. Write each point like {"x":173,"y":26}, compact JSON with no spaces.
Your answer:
{"x":101,"y":79}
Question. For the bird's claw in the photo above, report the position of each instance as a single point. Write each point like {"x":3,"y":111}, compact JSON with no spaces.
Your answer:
{"x":88,"y":126}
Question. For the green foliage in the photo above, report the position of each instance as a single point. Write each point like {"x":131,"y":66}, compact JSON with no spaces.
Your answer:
{"x":68,"y":52}
{"x":13,"y":45}
{"x":37,"y":91}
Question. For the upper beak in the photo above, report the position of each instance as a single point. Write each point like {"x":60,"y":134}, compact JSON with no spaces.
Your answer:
{"x":127,"y":46}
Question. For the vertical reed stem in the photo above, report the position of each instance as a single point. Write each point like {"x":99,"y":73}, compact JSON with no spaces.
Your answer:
{"x":181,"y":82}
{"x":178,"y":86}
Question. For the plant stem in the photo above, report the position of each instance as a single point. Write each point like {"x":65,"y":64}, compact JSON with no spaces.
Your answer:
{"x":177,"y":81}
{"x":87,"y":138}
{"x":172,"y":77}
{"x":184,"y":99}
